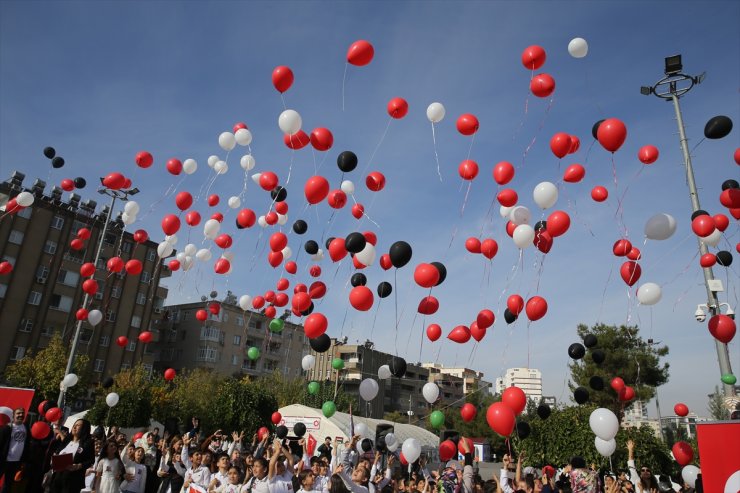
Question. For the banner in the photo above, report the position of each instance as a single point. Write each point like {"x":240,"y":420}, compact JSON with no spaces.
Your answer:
{"x":720,"y":460}
{"x":13,"y":398}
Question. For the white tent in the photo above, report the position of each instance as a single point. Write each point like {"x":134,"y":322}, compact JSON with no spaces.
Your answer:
{"x":70,"y":421}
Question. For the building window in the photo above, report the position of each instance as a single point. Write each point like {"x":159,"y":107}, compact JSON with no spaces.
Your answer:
{"x":85,"y":336}
{"x":26,"y":325}
{"x":50,"y":247}
{"x":148,"y":369}
{"x":151,"y":255}
{"x":224,"y":317}
{"x":101,"y":290}
{"x":99,"y":366}
{"x":102,"y":263}
{"x":145,"y":277}
{"x":125,"y":366}
{"x":78,"y":225}
{"x":210,"y":334}
{"x":110,"y":316}
{"x":61,"y":303}
{"x":34,"y":298}
{"x":126,"y":247}
{"x":237,"y":340}
{"x":167,"y":354}
{"x":57,"y":222}
{"x":207,"y":354}
{"x":140,"y":299}
{"x":234,"y":359}
{"x":115,"y":292}
{"x":239,"y":321}
{"x":3,"y":290}
{"x":110,"y":239}
{"x":42,"y":272}
{"x":136,"y":322}
{"x":255,"y":324}
{"x":48,"y":331}
{"x":16,"y":237}
{"x":104,"y":341}
{"x":68,"y":278}
{"x":17,"y":353}
{"x":131,"y":346}
{"x":25,"y":213}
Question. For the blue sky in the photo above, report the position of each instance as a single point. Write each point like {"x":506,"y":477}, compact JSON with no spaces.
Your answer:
{"x":101,"y":81}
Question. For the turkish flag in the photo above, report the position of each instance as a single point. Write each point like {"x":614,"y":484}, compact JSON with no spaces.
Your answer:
{"x":720,"y":461}
{"x":13,"y":398}
{"x":310,"y":445}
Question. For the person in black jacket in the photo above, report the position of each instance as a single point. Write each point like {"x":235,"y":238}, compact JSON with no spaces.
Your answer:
{"x":80,"y":445}
{"x":14,"y":447}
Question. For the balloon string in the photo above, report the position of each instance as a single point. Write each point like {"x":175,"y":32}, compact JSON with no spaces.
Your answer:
{"x":619,"y":215}
{"x":526,"y":109}
{"x":344,"y":78}
{"x":573,"y":207}
{"x":603,"y":293}
{"x":436,"y":156}
{"x":470,"y":147}
{"x":375,"y":318}
{"x":290,"y":166}
{"x":411,"y":332}
{"x":382,"y":138}
{"x":282,"y":98}
{"x":465,"y":200}
{"x":698,"y":144}
{"x":588,"y":152}
{"x":539,"y":129}
{"x":620,"y":202}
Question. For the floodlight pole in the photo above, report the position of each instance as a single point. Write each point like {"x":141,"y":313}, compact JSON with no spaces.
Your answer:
{"x":674,"y":85}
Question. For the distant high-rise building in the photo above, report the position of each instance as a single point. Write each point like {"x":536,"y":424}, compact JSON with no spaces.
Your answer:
{"x":472,"y":379}
{"x":527,"y":379}
{"x":636,"y":410}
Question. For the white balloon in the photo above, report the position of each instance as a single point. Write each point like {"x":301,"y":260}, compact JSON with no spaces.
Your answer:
{"x":523,"y":236}
{"x":213,"y":159}
{"x":369,"y":389}
{"x":131,"y":207}
{"x":660,"y":227}
{"x":287,"y":252}
{"x":227,"y":141}
{"x":393,"y":447}
{"x":520,"y":215}
{"x":180,"y":256}
{"x":189,"y":166}
{"x":390,"y":439}
{"x":318,"y":256}
{"x":545,"y":195}
{"x":713,"y":239}
{"x":605,"y":447}
{"x":348,"y":187}
{"x":210,"y":228}
{"x":7,"y":412}
{"x":282,"y":220}
{"x":247,"y":162}
{"x":256,"y":178}
{"x":164,"y":249}
{"x":649,"y":293}
{"x":290,"y":122}
{"x":221,"y":167}
{"x":262,"y":222}
{"x":384,"y":372}
{"x":245,"y":302}
{"x":111,"y":399}
{"x":94,"y":317}
{"x":362,"y":430}
{"x":435,"y":112}
{"x":228,"y":255}
{"x":604,"y":423}
{"x":243,"y":137}
{"x":70,"y":380}
{"x":689,"y":474}
{"x":204,"y":255}
{"x":234,"y":202}
{"x":308,"y":362}
{"x":190,"y":249}
{"x":411,"y":449}
{"x":366,"y":256}
{"x":505,"y":211}
{"x":187,"y":263}
{"x":24,"y":199}
{"x":128,"y":219}
{"x":578,"y":48}
{"x":430,"y":391}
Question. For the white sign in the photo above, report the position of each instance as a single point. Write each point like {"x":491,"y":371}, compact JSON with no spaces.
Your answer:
{"x":312,"y":423}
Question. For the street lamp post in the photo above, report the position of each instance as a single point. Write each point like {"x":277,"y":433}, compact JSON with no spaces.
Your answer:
{"x":114,"y":195}
{"x":670,"y":88}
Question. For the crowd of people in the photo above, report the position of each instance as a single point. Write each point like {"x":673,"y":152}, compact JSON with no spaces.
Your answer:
{"x":108,"y":461}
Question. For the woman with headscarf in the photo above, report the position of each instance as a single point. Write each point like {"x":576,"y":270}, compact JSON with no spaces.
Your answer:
{"x":78,"y":443}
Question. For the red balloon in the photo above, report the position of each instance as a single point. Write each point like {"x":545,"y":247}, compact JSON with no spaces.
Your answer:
{"x":462,"y":440}
{"x":183,"y":200}
{"x":473,"y":245}
{"x":736,"y":156}
{"x":477,"y":333}
{"x":192,"y":218}
{"x":485,"y":318}
{"x":648,"y":154}
{"x":503,"y":172}
{"x":398,"y":108}
{"x":315,"y":271}
{"x":316,"y":189}
{"x":370,"y":237}
{"x":141,"y":236}
{"x":575,"y":144}
{"x":145,"y":337}
{"x":278,"y":241}
{"x":460,"y":334}
{"x":501,"y":418}
{"x":358,"y":210}
{"x":375,"y":181}
{"x":536,"y":308}
{"x":708,"y":260}
{"x":360,"y":53}
{"x":223,"y":240}
{"x":315,"y":325}
{"x":122,"y":341}
{"x":317,"y":290}
{"x":281,"y":299}
{"x":144,"y":159}
{"x":169,"y":374}
{"x":246,"y":218}
{"x":337,"y":251}
{"x":170,"y":224}
{"x":434,"y":332}
{"x":617,"y":384}
{"x":611,"y":134}
{"x":426,"y":275}
{"x":258,"y":302}
{"x":507,"y":197}
{"x":560,"y":144}
{"x":77,"y":244}
{"x":730,"y":198}
{"x":174,"y":166}
{"x":134,"y":267}
{"x":468,"y":412}
{"x":6,"y":268}
{"x":337,"y":199}
{"x":298,"y":140}
{"x":67,"y":185}
{"x":515,"y":304}
{"x":300,"y":288}
{"x":533,"y":57}
{"x":271,"y":218}
{"x":282,"y":78}
{"x":202,"y":315}
{"x":402,"y":459}
{"x":467,"y":124}
{"x":214,"y":308}
{"x":542,"y":240}
{"x":574,"y":173}
{"x":12,"y":207}
{"x":703,"y":225}
{"x":542,"y":85}
{"x":174,"y":265}
{"x":321,"y":139}
{"x":81,"y":314}
{"x":721,"y":222}
{"x":515,"y":399}
{"x":213,"y":200}
{"x":558,"y":223}
{"x":126,"y":184}
{"x":510,"y":227}
{"x":722,"y":328}
{"x":114,"y":181}
{"x":599,"y":193}
{"x":83,"y":233}
{"x":385,"y":261}
{"x":218,"y":217}
{"x":447,"y":450}
{"x":276,"y":418}
{"x":114,"y":264}
{"x":621,"y":247}
{"x":635,"y":254}
{"x":361,"y":298}
{"x":53,"y":414}
{"x":40,"y":430}
{"x":681,"y":409}
{"x":630,"y":272}
{"x":281,"y":208}
{"x":291,"y":267}
{"x":263,"y":432}
{"x":275,"y":258}
{"x":90,"y":286}
{"x":301,"y":301}
{"x":270,"y":312}
{"x":468,"y":169}
{"x":489,"y":248}
{"x":626,"y":394}
{"x":428,"y":305}
{"x":268,"y":181}
{"x":683,"y":453}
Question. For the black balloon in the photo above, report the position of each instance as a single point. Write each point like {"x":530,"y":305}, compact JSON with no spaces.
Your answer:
{"x":596,"y":382}
{"x":108,"y":382}
{"x":398,"y":366}
{"x":595,"y":129}
{"x":279,"y":194}
{"x":442,"y":272}
{"x":49,"y":152}
{"x":320,"y":344}
{"x":509,"y":316}
{"x":300,"y":227}
{"x":308,"y":310}
{"x":523,"y":429}
{"x":581,"y":395}
{"x":281,"y":431}
{"x":576,"y":350}
{"x":578,"y":462}
{"x":718,"y":127}
{"x":598,"y":356}
{"x":543,"y":411}
{"x":80,"y":182}
{"x":700,"y":212}
{"x":540,"y":225}
{"x":366,"y":444}
{"x":590,"y":341}
{"x":358,"y":279}
{"x":724,"y":258}
{"x":384,"y":289}
{"x":57,"y":162}
{"x":347,"y":161}
{"x":727,"y":184}
{"x":354,"y":242}
{"x":311,"y":247}
{"x":329,"y":240}
{"x":400,"y":254}
{"x":299,"y":429}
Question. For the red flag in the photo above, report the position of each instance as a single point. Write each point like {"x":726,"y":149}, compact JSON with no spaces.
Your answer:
{"x":310,"y":445}
{"x":14,"y":398}
{"x":720,"y":466}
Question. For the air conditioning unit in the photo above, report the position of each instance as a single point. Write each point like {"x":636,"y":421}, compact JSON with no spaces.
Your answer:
{"x":41,"y":280}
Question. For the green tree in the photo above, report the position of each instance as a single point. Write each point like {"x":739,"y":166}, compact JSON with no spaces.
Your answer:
{"x":242,"y":405}
{"x":44,"y":370}
{"x":717,"y":407}
{"x":191,"y":393}
{"x":636,"y":361}
{"x":396,"y":417}
{"x":134,"y":388}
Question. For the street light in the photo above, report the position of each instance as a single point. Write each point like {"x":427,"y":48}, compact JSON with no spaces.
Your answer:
{"x":122,"y":195}
{"x":670,"y":88}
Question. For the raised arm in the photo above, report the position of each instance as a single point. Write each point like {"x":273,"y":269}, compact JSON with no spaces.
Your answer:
{"x":634,"y":475}
{"x":468,"y":468}
{"x":272,"y":467}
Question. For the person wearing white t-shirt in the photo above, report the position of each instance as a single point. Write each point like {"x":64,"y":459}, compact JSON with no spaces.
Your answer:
{"x":197,"y":472}
{"x":230,"y":485}
{"x":258,"y":482}
{"x":135,"y":474}
{"x":280,"y":477}
{"x":14,"y":446}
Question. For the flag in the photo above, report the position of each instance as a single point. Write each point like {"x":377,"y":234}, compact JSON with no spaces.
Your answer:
{"x":720,"y":466}
{"x":13,"y":398}
{"x":194,"y":488}
{"x":310,"y":445}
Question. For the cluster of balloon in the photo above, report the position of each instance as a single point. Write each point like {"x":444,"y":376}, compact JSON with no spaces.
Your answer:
{"x":605,"y":425}
{"x":501,"y":416}
{"x":19,"y":202}
{"x":624,"y":392}
{"x":562,"y":144}
{"x":730,"y":198}
{"x":541,"y":85}
{"x":78,"y":243}
{"x":577,"y":351}
{"x":51,"y":154}
{"x":69,"y":184}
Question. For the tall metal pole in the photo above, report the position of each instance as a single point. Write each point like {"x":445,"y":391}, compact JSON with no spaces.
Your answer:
{"x":76,"y":337}
{"x":723,"y":354}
